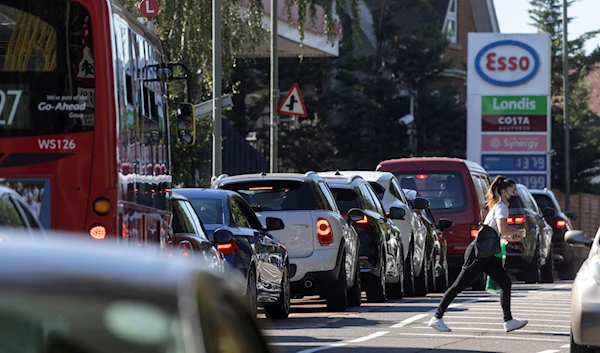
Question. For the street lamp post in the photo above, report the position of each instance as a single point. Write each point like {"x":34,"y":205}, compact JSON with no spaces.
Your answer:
{"x":566,"y":108}
{"x":217,"y":163}
{"x":274,"y":119}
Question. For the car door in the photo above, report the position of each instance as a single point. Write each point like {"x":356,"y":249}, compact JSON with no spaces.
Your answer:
{"x":544,"y":228}
{"x":393,"y":237}
{"x":185,"y":223}
{"x":419,"y":229}
{"x":269,"y":252}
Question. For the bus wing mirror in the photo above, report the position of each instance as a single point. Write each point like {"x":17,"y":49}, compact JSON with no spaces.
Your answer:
{"x":186,"y":124}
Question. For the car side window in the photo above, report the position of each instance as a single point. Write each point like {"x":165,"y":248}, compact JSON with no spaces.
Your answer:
{"x":530,"y":201}
{"x":329,"y":196}
{"x":371,"y":199}
{"x":237,"y":215}
{"x":376,"y":201}
{"x":9,"y":215}
{"x":479,"y":189}
{"x":248,"y":214}
{"x":33,"y":222}
{"x":196,"y":222}
{"x":397,"y":191}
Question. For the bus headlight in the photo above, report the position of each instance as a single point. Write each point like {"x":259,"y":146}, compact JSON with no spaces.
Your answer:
{"x":102,"y":206}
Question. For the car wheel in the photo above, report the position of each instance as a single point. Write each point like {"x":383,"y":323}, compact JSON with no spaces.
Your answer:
{"x":568,"y":271}
{"x":337,"y":297}
{"x":422,"y":280}
{"x":547,"y":271}
{"x":251,"y":292}
{"x":409,"y":273}
{"x":479,"y":283}
{"x":281,"y":309}
{"x":355,"y":293}
{"x":575,"y":348}
{"x":376,"y":285}
{"x":441,"y":282}
{"x":431,"y":273}
{"x":396,"y":290}
{"x":532,"y":270}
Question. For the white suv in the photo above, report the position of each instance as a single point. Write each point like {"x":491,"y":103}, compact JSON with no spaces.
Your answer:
{"x":414,"y":232}
{"x":322,"y":246}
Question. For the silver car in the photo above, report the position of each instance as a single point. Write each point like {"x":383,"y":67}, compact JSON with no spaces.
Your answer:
{"x":585,"y":303}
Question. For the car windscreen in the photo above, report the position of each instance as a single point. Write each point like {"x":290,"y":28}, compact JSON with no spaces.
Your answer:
{"x":444,"y":190}
{"x":210,"y":211}
{"x":275,"y":195}
{"x":543,"y":201}
{"x":87,"y":321}
{"x":346,"y":199}
{"x":47,"y":71}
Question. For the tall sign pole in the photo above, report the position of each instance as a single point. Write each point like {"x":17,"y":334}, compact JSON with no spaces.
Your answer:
{"x":217,"y":166}
{"x":274,"y":121}
{"x":566,"y":108}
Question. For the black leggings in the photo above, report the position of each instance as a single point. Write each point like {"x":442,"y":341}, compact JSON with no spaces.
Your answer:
{"x":490,"y":265}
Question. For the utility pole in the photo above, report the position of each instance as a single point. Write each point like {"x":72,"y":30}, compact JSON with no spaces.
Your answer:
{"x":566,"y":108}
{"x":274,"y":119}
{"x":217,"y":164}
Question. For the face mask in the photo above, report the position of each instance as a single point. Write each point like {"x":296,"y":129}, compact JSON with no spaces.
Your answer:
{"x":511,"y":198}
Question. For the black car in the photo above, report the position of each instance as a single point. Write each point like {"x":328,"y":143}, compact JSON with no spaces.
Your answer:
{"x":531,"y":258}
{"x":567,"y":258}
{"x":380,"y":253}
{"x":258,"y":255}
{"x":188,"y":238}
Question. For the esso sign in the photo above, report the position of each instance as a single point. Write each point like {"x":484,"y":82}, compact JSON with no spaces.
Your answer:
{"x":507,"y":63}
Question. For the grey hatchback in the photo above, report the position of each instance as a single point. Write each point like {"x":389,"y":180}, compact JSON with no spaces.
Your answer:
{"x":15,"y":213}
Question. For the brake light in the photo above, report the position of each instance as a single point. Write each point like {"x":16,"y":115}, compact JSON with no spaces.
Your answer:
{"x":98,"y":232}
{"x":561,"y":223}
{"x":324,"y":232}
{"x":228,"y":248}
{"x":474,"y":231}
{"x":422,"y":176}
{"x":364,"y":220}
{"x":516,"y":219}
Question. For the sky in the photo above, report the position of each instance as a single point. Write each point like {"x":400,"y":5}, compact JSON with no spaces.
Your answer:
{"x":513,"y":17}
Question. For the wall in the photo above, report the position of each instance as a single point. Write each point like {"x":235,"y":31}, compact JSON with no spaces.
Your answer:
{"x":587,"y":207}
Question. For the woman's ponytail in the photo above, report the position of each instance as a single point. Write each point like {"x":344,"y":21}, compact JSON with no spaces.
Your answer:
{"x":491,"y":198}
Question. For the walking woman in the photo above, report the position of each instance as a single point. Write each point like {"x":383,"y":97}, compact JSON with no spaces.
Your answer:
{"x":498,"y":197}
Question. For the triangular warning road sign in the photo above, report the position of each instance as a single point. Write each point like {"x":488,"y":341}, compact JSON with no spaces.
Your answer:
{"x":293,"y":104}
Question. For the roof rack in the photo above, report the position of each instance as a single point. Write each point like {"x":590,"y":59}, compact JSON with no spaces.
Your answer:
{"x":353,"y":177}
{"x":222,"y":176}
{"x":310,"y":173}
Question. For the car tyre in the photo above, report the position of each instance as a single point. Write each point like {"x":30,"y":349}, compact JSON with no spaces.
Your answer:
{"x":396,"y":290}
{"x":422,"y":280}
{"x":568,"y":271}
{"x":575,"y":348}
{"x":251,"y":292}
{"x":532,"y":270}
{"x":376,"y":286}
{"x":442,"y":281}
{"x":431,"y":272}
{"x":355,"y":292}
{"x":547,"y":271}
{"x":409,"y":274}
{"x":337,"y":297}
{"x":281,"y":309}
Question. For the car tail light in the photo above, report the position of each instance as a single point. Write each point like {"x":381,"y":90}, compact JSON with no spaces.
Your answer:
{"x":516,"y":219}
{"x":324,"y":234}
{"x":364,"y":220}
{"x":561,"y":223}
{"x":474,"y":231}
{"x":422,"y":176}
{"x":185,"y":250}
{"x":98,"y":232}
{"x":228,"y":248}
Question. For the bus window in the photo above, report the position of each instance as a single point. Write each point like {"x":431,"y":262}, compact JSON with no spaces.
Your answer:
{"x":47,"y":79}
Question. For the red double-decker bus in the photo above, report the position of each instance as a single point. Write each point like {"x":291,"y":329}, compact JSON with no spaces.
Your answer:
{"x":84,"y":133}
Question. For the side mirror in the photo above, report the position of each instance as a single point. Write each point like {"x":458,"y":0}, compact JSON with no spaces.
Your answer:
{"x":186,"y":124}
{"x":223,"y":236}
{"x":572,"y":215}
{"x":421,"y":203}
{"x":549,"y":212}
{"x":274,"y":223}
{"x":445,"y":224}
{"x":397,"y":213}
{"x":355,"y":214}
{"x":578,"y":238}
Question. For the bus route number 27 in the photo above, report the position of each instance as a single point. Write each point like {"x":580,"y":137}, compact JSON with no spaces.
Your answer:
{"x":57,"y":144}
{"x":15,"y":104}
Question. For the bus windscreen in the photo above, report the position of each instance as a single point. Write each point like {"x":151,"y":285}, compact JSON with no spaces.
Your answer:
{"x":47,"y":71}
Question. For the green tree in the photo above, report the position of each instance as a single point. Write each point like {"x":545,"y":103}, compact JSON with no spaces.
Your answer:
{"x":546,"y":16}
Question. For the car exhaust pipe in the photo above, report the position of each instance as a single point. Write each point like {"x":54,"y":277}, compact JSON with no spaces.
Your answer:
{"x":308,"y":283}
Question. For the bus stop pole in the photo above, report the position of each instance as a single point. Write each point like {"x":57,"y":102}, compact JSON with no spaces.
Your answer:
{"x":217,"y":124}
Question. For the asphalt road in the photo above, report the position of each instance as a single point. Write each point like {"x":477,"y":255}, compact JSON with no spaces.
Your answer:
{"x":401,"y":326}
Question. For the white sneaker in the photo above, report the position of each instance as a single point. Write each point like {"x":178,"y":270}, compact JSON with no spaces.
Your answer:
{"x":439,"y":324}
{"x":514,"y":324}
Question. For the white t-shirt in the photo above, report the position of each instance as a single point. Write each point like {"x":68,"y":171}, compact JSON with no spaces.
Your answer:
{"x":499,"y":211}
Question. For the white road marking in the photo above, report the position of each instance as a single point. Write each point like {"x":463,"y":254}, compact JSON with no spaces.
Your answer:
{"x":484,"y":313}
{"x":499,"y":330}
{"x":566,"y":346}
{"x":409,"y":321}
{"x":549,"y":351}
{"x":508,"y":337}
{"x":553,"y":312}
{"x":369,"y":337}
{"x":496,"y":323}
{"x":318,"y":349}
{"x":451,"y":315}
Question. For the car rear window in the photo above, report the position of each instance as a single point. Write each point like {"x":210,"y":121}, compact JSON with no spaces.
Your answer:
{"x":346,"y":199}
{"x":210,"y":211}
{"x":544,"y":201}
{"x":275,"y":195}
{"x":445,"y":191}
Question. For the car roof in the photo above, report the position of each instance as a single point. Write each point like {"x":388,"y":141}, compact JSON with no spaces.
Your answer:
{"x":431,"y":163}
{"x":342,"y":180}
{"x":367,"y":175}
{"x":541,"y":191}
{"x":204,"y":193}
{"x":7,"y":190}
{"x":265,"y":176}
{"x":69,"y":259}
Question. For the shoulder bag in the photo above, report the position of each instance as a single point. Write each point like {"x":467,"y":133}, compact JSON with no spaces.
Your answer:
{"x":487,"y":243}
